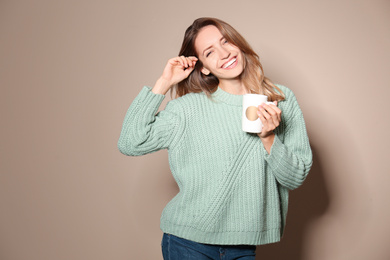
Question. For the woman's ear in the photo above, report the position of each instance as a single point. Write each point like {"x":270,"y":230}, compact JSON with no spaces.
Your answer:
{"x":205,"y":71}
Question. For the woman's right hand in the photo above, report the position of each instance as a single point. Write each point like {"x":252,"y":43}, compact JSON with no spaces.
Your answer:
{"x":176,"y":70}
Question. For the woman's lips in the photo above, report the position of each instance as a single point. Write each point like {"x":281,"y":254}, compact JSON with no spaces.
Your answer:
{"x":230,"y":64}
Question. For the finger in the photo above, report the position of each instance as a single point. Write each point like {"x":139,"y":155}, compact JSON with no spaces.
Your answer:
{"x":270,"y":122}
{"x":177,"y":61}
{"x":278,"y":112}
{"x":262,"y":117}
{"x":185,"y":61}
{"x":270,"y":109}
{"x":263,"y":114}
{"x":193,"y":58}
{"x":277,"y":109}
{"x":174,"y":61}
{"x":266,"y":127}
{"x":188,"y":71}
{"x":190,"y":62}
{"x":275,"y":113}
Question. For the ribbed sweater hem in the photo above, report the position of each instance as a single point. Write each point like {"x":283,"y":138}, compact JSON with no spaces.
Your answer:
{"x":223,"y":237}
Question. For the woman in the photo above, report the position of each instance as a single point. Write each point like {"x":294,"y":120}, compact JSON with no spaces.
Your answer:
{"x":233,"y":185}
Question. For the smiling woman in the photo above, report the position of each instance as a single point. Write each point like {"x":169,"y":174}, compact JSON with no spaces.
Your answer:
{"x":234,"y":185}
{"x":215,"y":41}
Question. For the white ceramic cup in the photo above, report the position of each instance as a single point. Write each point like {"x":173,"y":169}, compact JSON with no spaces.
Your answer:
{"x":251,"y":122}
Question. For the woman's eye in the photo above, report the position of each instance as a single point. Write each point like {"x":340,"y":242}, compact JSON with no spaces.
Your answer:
{"x":208,"y":54}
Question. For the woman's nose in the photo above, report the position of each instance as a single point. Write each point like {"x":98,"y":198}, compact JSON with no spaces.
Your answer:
{"x":224,"y":53}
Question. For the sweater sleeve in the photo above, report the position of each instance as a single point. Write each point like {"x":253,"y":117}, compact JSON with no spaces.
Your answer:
{"x":291,"y":159}
{"x":144,"y":131}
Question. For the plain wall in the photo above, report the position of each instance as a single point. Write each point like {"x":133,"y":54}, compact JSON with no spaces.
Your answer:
{"x":70,"y":69}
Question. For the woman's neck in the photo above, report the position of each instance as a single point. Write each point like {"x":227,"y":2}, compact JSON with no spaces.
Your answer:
{"x":233,"y":86}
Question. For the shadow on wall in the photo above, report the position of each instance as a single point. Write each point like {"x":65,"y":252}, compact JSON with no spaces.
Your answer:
{"x":307,"y":203}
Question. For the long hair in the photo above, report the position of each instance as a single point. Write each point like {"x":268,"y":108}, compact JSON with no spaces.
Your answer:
{"x":252,"y":77}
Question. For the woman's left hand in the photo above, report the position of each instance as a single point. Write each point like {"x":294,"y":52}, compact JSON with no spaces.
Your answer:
{"x":270,"y":116}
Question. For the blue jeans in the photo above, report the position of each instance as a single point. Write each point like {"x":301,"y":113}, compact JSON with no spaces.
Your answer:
{"x":175,"y":248}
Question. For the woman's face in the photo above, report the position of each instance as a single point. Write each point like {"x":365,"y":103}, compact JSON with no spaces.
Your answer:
{"x":219,"y":57}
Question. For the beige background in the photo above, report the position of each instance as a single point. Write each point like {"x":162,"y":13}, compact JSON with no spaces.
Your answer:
{"x":70,"y":69}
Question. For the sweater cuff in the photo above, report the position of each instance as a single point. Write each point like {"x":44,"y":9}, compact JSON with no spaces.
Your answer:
{"x":149,"y":99}
{"x":276,"y":143}
{"x":276,"y":152}
{"x":287,"y":169}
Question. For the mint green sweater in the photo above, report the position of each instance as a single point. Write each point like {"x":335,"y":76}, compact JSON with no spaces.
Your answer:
{"x":231,"y":190}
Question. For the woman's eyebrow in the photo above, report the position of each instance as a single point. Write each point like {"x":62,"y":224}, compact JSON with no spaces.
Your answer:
{"x":212,"y":45}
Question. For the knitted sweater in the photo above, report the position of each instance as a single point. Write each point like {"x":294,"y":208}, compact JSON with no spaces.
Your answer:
{"x":231,"y":190}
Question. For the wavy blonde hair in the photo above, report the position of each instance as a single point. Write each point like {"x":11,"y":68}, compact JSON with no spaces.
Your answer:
{"x":253,"y":75}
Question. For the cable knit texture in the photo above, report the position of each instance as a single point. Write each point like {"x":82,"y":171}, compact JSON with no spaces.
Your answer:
{"x":231,"y":190}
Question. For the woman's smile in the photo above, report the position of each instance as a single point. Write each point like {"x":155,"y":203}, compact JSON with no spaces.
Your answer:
{"x":230,"y":64}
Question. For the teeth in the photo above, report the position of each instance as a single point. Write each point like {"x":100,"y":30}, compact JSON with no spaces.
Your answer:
{"x":229,"y":63}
